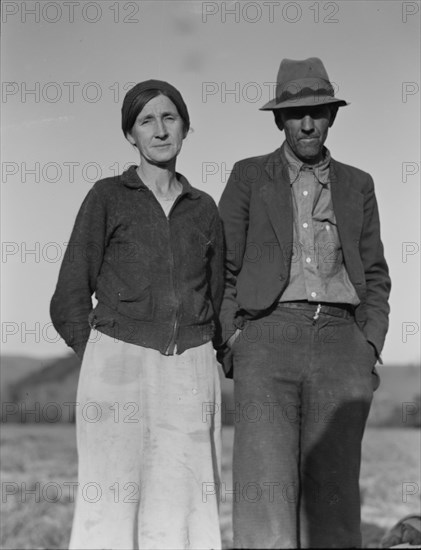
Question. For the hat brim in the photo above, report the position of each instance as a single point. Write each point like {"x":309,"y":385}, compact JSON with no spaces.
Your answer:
{"x":310,"y":101}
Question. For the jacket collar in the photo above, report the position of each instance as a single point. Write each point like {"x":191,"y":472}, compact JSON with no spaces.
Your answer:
{"x":276,"y":194}
{"x":275,"y":163}
{"x":345,"y":196}
{"x":130,"y":178}
{"x":279,"y":164}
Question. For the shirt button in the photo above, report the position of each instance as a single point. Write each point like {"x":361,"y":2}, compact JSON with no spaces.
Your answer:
{"x":308,"y":260}
{"x":305,"y":225}
{"x":313,"y":294}
{"x":305,"y":193}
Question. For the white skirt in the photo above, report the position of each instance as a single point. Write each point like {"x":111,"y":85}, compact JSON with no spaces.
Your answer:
{"x":149,"y":445}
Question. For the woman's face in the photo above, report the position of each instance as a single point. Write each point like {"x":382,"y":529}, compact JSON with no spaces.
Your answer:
{"x":158,"y":131}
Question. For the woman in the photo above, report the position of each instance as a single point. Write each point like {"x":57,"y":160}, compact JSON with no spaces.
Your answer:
{"x":149,"y":246}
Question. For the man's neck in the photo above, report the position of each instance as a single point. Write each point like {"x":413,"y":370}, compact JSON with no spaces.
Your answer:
{"x":307,"y":162}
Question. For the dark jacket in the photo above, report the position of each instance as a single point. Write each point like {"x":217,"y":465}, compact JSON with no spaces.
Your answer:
{"x":257,"y":214}
{"x":158,"y":280}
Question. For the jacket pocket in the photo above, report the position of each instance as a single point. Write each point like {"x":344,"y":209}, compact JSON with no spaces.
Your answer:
{"x":136,"y":304}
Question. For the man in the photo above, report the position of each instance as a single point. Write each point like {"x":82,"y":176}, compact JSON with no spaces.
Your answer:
{"x":304,"y":319}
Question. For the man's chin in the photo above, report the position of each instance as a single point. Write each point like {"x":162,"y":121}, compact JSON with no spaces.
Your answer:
{"x":310,"y":155}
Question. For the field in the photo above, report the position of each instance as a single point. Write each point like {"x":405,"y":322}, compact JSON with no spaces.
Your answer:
{"x":39,"y":461}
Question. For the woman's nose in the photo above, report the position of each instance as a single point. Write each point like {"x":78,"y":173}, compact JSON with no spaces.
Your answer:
{"x":160,"y":129}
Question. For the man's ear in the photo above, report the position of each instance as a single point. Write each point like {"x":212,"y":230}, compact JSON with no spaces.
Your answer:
{"x":333,"y":113}
{"x":278,"y":119}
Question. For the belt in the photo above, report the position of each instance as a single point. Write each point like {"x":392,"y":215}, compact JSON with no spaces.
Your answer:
{"x":338,"y":310}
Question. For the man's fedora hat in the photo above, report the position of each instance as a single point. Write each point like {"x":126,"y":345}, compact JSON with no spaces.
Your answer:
{"x":302,"y":84}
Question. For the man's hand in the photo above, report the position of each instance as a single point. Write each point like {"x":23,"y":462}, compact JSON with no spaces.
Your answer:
{"x":376,"y":355}
{"x":233,"y":338}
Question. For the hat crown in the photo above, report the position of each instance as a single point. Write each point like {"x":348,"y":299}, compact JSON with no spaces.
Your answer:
{"x":302,"y":83}
{"x":290,"y":69}
{"x":302,"y":78}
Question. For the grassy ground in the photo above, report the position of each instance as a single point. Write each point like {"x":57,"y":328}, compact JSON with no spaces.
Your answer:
{"x":42,"y":459}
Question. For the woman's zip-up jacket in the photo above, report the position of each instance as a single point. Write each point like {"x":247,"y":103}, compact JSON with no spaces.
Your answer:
{"x":158,"y":281}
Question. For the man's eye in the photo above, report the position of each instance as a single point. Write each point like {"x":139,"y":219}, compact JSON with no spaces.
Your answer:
{"x":296,"y":115}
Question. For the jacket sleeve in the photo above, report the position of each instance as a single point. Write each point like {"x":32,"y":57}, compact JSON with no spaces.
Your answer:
{"x":234,"y":211}
{"x":377,"y":278}
{"x":71,"y":303}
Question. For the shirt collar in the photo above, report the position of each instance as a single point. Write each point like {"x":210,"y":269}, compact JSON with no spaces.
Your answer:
{"x":130,"y":178}
{"x":295,"y":165}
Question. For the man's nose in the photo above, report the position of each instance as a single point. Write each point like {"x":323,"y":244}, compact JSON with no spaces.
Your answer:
{"x":307,"y":124}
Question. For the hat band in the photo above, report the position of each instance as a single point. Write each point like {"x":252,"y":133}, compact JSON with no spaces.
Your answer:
{"x":304,"y":88}
{"x":304,"y":93}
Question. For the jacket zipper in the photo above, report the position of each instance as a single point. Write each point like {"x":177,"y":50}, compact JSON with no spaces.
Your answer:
{"x":169,"y":350}
{"x":171,"y":344}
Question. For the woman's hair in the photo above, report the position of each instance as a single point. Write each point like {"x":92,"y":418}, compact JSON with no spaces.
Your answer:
{"x":138,"y":96}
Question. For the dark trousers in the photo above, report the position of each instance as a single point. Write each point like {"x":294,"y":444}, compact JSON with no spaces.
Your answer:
{"x":303,"y":390}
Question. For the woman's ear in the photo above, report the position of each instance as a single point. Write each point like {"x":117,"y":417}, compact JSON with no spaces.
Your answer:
{"x":130,"y":139}
{"x":186,"y":132}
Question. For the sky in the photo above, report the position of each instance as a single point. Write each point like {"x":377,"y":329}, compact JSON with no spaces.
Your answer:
{"x":67,"y":65}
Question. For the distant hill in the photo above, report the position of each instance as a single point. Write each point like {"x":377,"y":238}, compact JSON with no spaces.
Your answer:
{"x":42,"y":386}
{"x":400,"y":382}
{"x":30,"y":384}
{"x":16,"y":367}
{"x":397,"y":401}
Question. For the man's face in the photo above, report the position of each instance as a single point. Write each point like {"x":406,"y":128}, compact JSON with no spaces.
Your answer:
{"x":306,"y":130}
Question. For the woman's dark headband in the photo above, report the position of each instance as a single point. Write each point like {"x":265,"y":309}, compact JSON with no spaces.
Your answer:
{"x":133,"y":104}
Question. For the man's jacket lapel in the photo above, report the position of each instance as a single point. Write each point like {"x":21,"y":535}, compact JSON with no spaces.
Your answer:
{"x":276,"y":195}
{"x":349,"y":209}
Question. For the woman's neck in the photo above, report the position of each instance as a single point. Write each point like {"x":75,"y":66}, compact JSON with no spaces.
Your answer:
{"x":161,"y":180}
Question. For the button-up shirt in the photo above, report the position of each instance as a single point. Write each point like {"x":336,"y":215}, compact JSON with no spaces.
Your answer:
{"x":318,"y":272}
